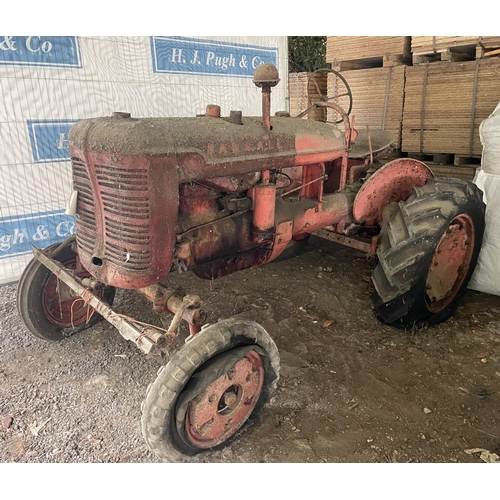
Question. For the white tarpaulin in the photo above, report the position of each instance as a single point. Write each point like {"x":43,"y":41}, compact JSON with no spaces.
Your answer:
{"x":486,"y":277}
{"x":49,"y":83}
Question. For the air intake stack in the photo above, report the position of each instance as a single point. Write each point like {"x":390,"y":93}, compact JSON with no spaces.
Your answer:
{"x":266,"y":76}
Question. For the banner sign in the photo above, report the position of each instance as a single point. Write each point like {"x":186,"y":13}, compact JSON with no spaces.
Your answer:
{"x":49,"y":139}
{"x":40,"y":51}
{"x":42,"y":229}
{"x":206,"y":57}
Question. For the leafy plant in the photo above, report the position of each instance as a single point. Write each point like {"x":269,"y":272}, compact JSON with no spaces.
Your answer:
{"x":306,"y":53}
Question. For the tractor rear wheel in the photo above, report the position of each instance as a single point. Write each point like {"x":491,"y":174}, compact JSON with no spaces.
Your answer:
{"x":429,"y":245}
{"x":219,"y":380}
{"x":47,"y":306}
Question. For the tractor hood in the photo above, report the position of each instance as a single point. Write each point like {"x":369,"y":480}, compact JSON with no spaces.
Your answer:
{"x":215,"y":144}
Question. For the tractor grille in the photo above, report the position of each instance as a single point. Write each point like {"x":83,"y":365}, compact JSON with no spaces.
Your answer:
{"x":85,"y":211}
{"x":124,"y":195}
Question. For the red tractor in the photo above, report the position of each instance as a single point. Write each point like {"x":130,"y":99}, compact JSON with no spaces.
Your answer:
{"x":215,"y":195}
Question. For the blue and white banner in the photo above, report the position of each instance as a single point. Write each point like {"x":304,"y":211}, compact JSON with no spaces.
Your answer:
{"x":48,"y":83}
{"x":49,"y":139}
{"x":60,"y":51}
{"x":42,"y":229}
{"x":206,"y":57}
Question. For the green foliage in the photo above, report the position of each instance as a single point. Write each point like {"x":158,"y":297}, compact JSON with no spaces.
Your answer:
{"x":306,"y":53}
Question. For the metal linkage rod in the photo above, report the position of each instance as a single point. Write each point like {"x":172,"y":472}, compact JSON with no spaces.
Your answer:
{"x":144,"y":338}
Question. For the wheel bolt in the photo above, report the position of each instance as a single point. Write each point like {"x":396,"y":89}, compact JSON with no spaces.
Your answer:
{"x":230,"y":399}
{"x":231,"y":373}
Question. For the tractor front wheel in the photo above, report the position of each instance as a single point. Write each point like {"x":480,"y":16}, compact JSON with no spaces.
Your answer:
{"x":48,"y":307}
{"x":429,"y":245}
{"x":219,"y":380}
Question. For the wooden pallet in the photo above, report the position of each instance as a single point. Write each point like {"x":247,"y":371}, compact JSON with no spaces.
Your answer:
{"x":484,"y":52}
{"x":446,"y":102}
{"x":460,"y":160}
{"x":377,"y":98}
{"x":447,"y":159}
{"x":442,"y":165}
{"x":426,"y":49}
{"x":430,"y":44}
{"x":361,"y":52}
{"x":466,"y":172}
{"x":445,"y":55}
{"x":306,"y":89}
{"x":386,"y":61}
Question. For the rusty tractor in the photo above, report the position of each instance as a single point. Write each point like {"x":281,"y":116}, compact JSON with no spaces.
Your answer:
{"x":215,"y":195}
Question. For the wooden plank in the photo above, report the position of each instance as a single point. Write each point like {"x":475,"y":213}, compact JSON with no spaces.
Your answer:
{"x":466,"y":160}
{"x":350,"y":48}
{"x":466,"y":173}
{"x":443,"y":55}
{"x":377,"y":98}
{"x":491,"y":53}
{"x":441,"y":116}
{"x":306,"y":89}
{"x":385,"y":61}
{"x":429,"y":44}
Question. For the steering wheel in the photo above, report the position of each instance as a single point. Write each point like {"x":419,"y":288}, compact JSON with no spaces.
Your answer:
{"x":343,"y":100}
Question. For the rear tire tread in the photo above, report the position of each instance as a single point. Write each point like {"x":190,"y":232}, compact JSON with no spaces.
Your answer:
{"x":403,"y":263}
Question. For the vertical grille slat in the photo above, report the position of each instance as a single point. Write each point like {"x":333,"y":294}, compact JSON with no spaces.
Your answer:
{"x":86,"y":232}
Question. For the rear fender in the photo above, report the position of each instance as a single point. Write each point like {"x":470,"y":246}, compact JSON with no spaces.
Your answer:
{"x":393,"y":182}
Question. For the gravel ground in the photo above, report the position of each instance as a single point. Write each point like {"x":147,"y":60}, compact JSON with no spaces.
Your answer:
{"x":352,"y":390}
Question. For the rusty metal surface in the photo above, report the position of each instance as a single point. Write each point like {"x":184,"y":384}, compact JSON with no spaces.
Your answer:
{"x":237,"y":261}
{"x":450,"y":263}
{"x":128,"y":173}
{"x":349,"y":132}
{"x":266,"y":107}
{"x":364,"y":246}
{"x":206,"y":147}
{"x":58,"y":300}
{"x":126,"y":218}
{"x":158,"y":295}
{"x":144,"y":338}
{"x":266,"y":75}
{"x":213,"y":110}
{"x":225,"y":405}
{"x":357,"y":170}
{"x":263,"y":211}
{"x":153,"y":193}
{"x":334,"y":209}
{"x":187,"y":307}
{"x":393,"y":182}
{"x":312,"y":181}
{"x":380,"y":140}
{"x":233,"y":183}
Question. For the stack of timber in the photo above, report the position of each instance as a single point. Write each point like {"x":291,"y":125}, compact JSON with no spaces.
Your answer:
{"x":377,"y":98}
{"x":305,"y":90}
{"x":357,"y":52}
{"x":442,"y":165}
{"x":453,"y":48}
{"x":445,"y":102}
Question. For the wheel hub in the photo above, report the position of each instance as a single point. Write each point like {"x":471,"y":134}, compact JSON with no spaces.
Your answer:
{"x":225,"y":405}
{"x":450,"y":263}
{"x":60,"y":305}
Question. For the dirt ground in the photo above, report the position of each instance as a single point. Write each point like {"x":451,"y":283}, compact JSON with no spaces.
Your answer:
{"x":351,"y":389}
